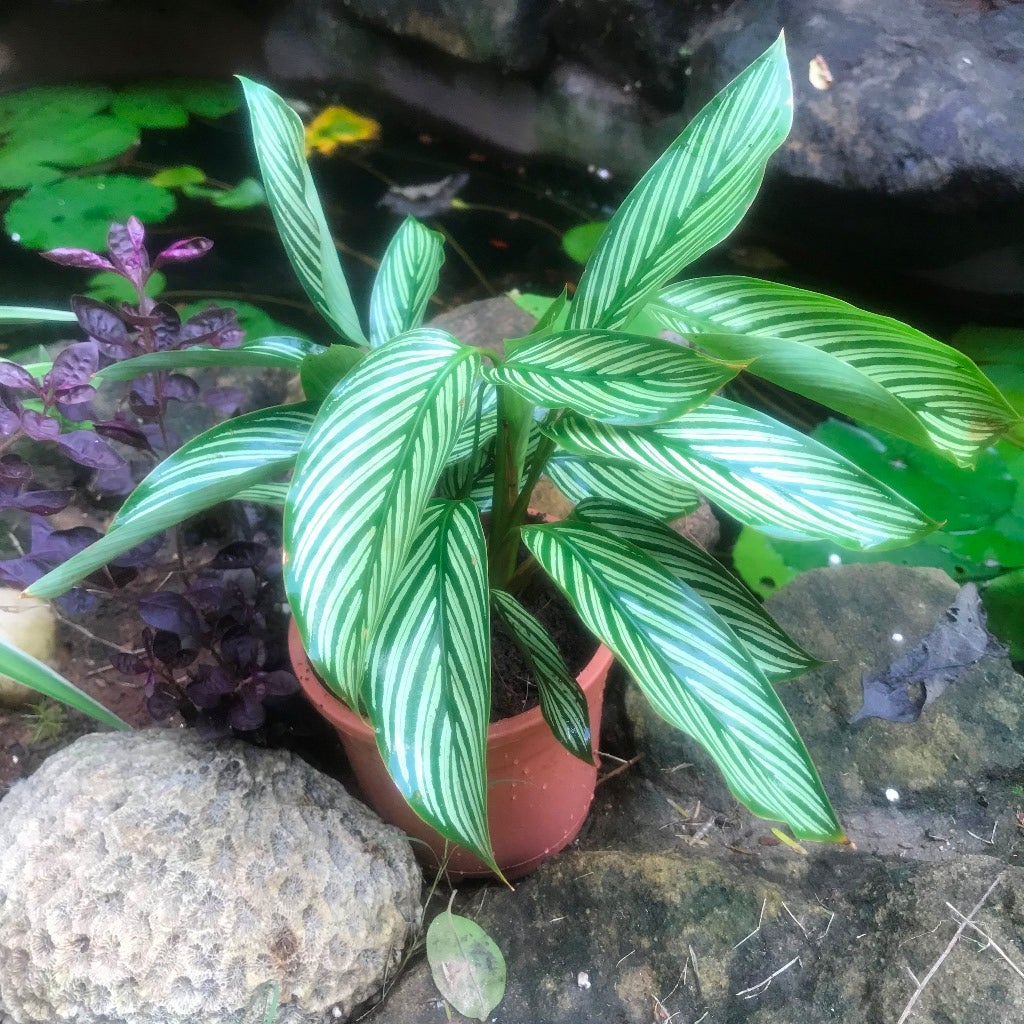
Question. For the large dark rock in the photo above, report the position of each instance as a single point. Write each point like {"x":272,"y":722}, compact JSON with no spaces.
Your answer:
{"x":626,"y":938}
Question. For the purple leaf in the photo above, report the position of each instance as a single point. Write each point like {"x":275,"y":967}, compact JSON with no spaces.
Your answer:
{"x":76,"y":601}
{"x":168,"y":649}
{"x":247,"y":715}
{"x":217,"y":326}
{"x":210,"y":684}
{"x":40,"y":503}
{"x":165,"y":326}
{"x":101,"y":322}
{"x":162,"y":698}
{"x":119,"y":480}
{"x":170,"y":612}
{"x":139,"y":556}
{"x":14,"y":376}
{"x":180,"y":388}
{"x":38,"y":426}
{"x":278,"y":684}
{"x":78,"y":258}
{"x":56,"y":546}
{"x":183,"y":251}
{"x":142,"y":399}
{"x":226,"y":401}
{"x":77,"y":395}
{"x":241,"y":554}
{"x":73,"y":367}
{"x":126,"y":248}
{"x":128,"y":664}
{"x":14,"y":471}
{"x":121,"y":429}
{"x":10,"y":421}
{"x":85,"y":448}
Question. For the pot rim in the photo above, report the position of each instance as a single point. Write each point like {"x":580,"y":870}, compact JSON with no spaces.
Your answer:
{"x":340,"y":714}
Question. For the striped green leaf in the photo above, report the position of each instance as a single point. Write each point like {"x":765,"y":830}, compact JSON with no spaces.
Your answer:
{"x":360,"y":487}
{"x":281,"y":150}
{"x":692,"y":198}
{"x":623,"y":482}
{"x":611,"y":376}
{"x":872,"y":368}
{"x":272,"y":353}
{"x":320,"y":372}
{"x":274,"y":495}
{"x":36,"y":675}
{"x":428,"y":690}
{"x":209,"y":469}
{"x":35,"y":315}
{"x":481,"y":426}
{"x":760,"y":471}
{"x":692,"y":667}
{"x":775,"y":653}
{"x":406,"y":280}
{"x":562,"y":702}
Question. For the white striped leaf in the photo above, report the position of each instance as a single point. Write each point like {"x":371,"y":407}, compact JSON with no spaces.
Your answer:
{"x":562,"y":703}
{"x":692,"y":198}
{"x":360,"y":486}
{"x":35,"y":315}
{"x":277,"y":352}
{"x":273,"y":494}
{"x":872,"y":368}
{"x":428,"y":689}
{"x":38,"y":676}
{"x":624,"y":482}
{"x":209,"y":469}
{"x":693,"y":669}
{"x":405,"y":281}
{"x":281,"y":150}
{"x":760,"y":471}
{"x":483,"y":407}
{"x":479,"y":468}
{"x":611,"y":376}
{"x":777,"y":654}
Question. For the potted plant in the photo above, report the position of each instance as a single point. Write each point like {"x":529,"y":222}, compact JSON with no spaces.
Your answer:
{"x":413,"y":461}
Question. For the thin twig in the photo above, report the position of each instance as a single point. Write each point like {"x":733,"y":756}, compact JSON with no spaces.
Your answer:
{"x":618,"y":771}
{"x":793,"y":916}
{"x":626,"y":957}
{"x":982,"y":839}
{"x":85,"y":632}
{"x":949,"y":949}
{"x":992,"y":942}
{"x":762,"y":986}
{"x":760,"y":918}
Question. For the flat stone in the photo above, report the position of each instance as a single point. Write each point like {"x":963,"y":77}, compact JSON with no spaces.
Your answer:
{"x":634,"y":938}
{"x":153,"y":878}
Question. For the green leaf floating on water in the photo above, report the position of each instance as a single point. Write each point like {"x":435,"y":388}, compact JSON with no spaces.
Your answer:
{"x":78,"y":211}
{"x":579,"y":242}
{"x":466,"y":964}
{"x":982,"y":511}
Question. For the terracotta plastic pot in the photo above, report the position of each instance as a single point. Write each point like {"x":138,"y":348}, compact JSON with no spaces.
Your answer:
{"x":538,"y":794}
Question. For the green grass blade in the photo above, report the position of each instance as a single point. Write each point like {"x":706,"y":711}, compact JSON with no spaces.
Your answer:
{"x":209,"y":469}
{"x":872,"y":368}
{"x":611,"y":376}
{"x":379,"y":443}
{"x":562,"y":702}
{"x":692,"y":198}
{"x":30,"y":672}
{"x":406,"y":280}
{"x":281,"y":150}
{"x":273,"y":353}
{"x":35,"y":315}
{"x":692,"y":668}
{"x":776,"y":653}
{"x":760,"y":471}
{"x":428,"y":689}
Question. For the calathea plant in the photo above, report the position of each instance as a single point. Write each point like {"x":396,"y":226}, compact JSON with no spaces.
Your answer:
{"x":409,"y":436}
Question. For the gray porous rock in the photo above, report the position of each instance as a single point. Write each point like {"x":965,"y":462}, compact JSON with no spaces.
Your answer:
{"x":154,"y":878}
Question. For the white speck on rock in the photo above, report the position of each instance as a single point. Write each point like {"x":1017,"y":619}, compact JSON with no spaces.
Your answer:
{"x":583,"y":980}
{"x":834,"y":559}
{"x":892,"y":795}
{"x":897,"y":638}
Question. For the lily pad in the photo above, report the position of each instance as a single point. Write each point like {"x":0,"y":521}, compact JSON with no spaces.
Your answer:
{"x":247,"y":193}
{"x":982,"y":511}
{"x":579,"y":242}
{"x":176,"y":177}
{"x":110,"y":287}
{"x":339,"y":126}
{"x":150,"y":106}
{"x":51,"y":105}
{"x":77,"y":212}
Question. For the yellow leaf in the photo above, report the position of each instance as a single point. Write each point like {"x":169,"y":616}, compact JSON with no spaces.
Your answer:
{"x":339,"y":126}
